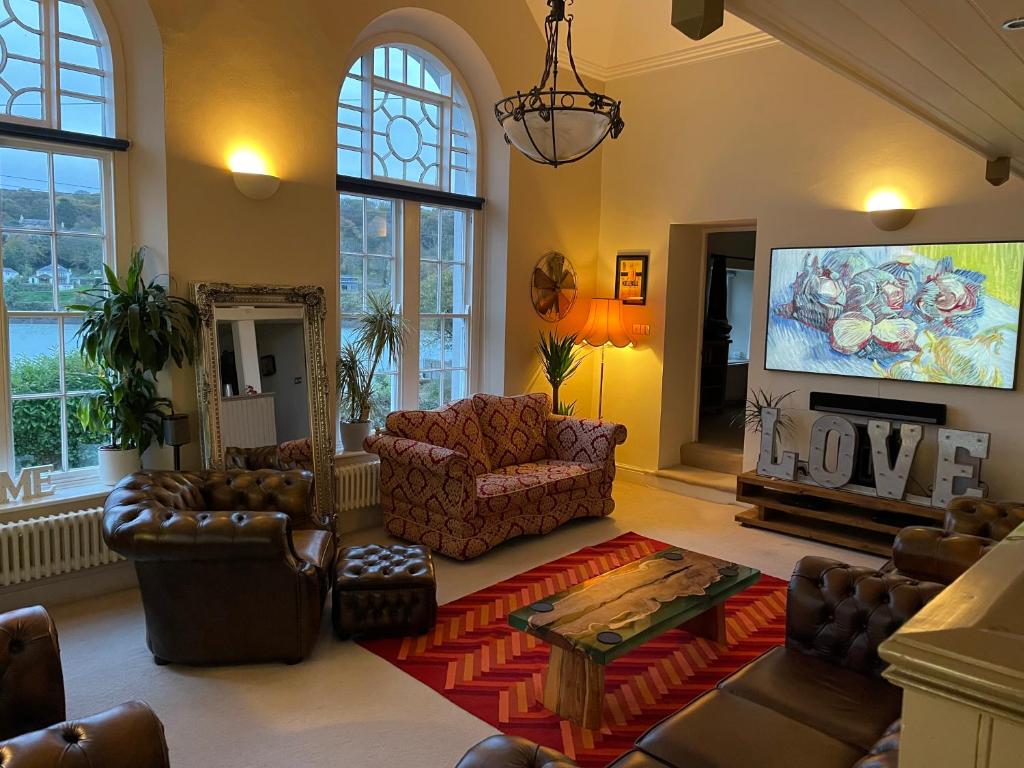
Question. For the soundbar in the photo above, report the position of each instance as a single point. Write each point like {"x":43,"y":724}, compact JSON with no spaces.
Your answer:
{"x":879,"y":408}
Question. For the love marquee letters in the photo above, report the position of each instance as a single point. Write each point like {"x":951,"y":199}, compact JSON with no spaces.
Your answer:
{"x":957,"y":468}
{"x":32,"y":483}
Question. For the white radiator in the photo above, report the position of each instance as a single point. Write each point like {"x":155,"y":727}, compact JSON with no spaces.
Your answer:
{"x":356,"y":485}
{"x":48,"y":546}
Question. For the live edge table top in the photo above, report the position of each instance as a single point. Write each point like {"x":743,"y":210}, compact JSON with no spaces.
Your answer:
{"x":609,"y":615}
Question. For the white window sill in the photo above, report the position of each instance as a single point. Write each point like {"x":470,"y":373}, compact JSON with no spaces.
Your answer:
{"x":67,"y":498}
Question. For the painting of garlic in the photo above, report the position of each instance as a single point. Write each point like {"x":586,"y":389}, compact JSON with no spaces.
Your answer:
{"x":946,"y":314}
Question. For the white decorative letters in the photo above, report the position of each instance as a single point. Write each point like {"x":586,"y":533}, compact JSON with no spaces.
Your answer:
{"x":960,"y":456}
{"x":840,"y":476}
{"x":785,"y":468}
{"x":891,"y":478}
{"x":32,"y":483}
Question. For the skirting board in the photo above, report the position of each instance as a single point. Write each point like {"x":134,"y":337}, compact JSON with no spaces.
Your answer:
{"x":70,"y":587}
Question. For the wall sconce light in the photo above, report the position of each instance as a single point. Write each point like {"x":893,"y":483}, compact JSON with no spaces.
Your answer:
{"x":888,"y":210}
{"x":252,"y":178}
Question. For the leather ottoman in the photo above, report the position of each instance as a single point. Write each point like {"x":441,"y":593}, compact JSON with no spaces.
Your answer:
{"x":384,"y":590}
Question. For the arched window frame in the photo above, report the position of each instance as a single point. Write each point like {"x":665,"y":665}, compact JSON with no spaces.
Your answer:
{"x":414,"y":206}
{"x":56,"y":140}
{"x":390,"y":80}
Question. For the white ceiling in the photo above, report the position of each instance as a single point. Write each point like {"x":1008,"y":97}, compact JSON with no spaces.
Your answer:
{"x":615,"y":38}
{"x":947,"y":61}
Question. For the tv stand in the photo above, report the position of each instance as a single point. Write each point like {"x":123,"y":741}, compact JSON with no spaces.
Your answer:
{"x":843,"y":518}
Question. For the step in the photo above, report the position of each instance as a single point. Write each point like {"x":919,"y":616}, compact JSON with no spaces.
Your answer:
{"x":714,"y":458}
{"x":703,"y":478}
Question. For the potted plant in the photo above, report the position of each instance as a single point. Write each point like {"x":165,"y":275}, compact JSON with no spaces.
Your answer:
{"x":380,"y":333}
{"x":560,"y":358}
{"x":130,"y":331}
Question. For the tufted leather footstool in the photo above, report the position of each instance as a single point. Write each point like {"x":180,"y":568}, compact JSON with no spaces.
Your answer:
{"x":380,"y":591}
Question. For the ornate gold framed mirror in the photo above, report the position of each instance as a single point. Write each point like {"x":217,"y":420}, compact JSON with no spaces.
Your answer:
{"x":262,"y":381}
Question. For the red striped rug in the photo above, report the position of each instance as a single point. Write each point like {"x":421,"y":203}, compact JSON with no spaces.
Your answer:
{"x":475,"y":660}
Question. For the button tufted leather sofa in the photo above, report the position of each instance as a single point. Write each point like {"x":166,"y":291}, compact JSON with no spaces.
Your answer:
{"x":33,"y":730}
{"x":817,"y":702}
{"x":233,"y":565}
{"x":971,"y":528}
{"x":480,"y":471}
{"x":294,"y":454}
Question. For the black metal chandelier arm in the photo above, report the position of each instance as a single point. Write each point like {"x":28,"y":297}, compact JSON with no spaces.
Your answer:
{"x":572,"y":60}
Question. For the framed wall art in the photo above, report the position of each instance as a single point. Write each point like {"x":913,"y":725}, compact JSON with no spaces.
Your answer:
{"x":631,"y":278}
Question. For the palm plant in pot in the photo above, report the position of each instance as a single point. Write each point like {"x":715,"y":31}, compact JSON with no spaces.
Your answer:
{"x":560,"y":358}
{"x":380,"y":335}
{"x":130,"y":331}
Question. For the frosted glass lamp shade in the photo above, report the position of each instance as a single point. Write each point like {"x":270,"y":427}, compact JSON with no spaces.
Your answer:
{"x":604,"y":325}
{"x":557,"y":136}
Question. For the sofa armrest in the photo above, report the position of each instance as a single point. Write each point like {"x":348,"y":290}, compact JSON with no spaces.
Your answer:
{"x":980,"y":517}
{"x":424,"y":475}
{"x":842,"y":613}
{"x":587,"y":441}
{"x":513,"y":752}
{"x":150,"y":531}
{"x":127,"y":736}
{"x":933,"y":554}
{"x":31,"y":682}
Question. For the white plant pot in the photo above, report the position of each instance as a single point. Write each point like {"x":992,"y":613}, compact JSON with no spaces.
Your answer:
{"x":353,"y":434}
{"x":115,"y":464}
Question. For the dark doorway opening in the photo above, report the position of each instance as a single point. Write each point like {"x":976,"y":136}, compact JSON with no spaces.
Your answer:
{"x":725,"y":355}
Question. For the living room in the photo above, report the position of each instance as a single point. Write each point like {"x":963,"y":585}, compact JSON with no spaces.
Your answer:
{"x":288,"y":556}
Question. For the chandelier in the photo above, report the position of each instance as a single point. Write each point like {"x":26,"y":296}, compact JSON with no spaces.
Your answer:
{"x":551,"y":125}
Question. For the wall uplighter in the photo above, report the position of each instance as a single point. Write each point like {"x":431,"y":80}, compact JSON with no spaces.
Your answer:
{"x":888,"y":210}
{"x":251,"y":174}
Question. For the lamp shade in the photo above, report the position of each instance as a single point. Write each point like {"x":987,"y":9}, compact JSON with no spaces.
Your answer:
{"x":604,"y":325}
{"x":176,"y":429}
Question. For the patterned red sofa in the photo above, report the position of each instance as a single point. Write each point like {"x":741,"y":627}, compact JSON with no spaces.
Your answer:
{"x":480,"y":471}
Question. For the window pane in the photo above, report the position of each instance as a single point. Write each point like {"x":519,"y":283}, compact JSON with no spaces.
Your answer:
{"x":455,"y":386}
{"x":83,"y":445}
{"x":81,"y":82}
{"x":351,"y":224}
{"x":351,"y":92}
{"x":24,"y":189}
{"x":79,"y":53}
{"x":350,"y":162}
{"x":29,"y":286}
{"x":35,"y":355}
{"x":27,"y":12}
{"x":81,"y":115}
{"x":430,"y":343}
{"x":428,"y":288}
{"x":73,"y":21}
{"x":456,"y":342}
{"x":351,"y":285}
{"x":379,"y":276}
{"x":429,"y":218}
{"x":430,"y":390}
{"x":20,"y":75}
{"x":78,"y":375}
{"x":385,"y":392}
{"x":80,"y":266}
{"x":36,"y":433}
{"x":379,"y":227}
{"x":453,"y":288}
{"x":21,"y":41}
{"x":78,"y":186}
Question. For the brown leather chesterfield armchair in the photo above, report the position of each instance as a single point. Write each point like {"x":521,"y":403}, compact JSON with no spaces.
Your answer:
{"x":820,"y":701}
{"x":233,"y":565}
{"x":294,"y":454}
{"x":33,"y":729}
{"x":971,"y":528}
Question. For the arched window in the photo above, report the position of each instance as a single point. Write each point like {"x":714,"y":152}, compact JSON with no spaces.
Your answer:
{"x":402,"y":117}
{"x":407,"y":154}
{"x":55,"y":66}
{"x":56,"y":225}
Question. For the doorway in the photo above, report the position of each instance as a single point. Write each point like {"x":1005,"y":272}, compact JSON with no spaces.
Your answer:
{"x":725,"y":354}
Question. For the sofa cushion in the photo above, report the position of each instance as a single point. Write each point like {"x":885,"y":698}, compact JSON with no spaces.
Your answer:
{"x":455,"y":427}
{"x":852,"y":707}
{"x":719,"y":729}
{"x":523,"y":484}
{"x":513,"y":427}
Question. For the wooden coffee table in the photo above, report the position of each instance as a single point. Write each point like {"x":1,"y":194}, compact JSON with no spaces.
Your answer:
{"x":593,"y":623}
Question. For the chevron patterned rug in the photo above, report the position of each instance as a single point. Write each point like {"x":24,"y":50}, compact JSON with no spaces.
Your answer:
{"x":478,"y":662}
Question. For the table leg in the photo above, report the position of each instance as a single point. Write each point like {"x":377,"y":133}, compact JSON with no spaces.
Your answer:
{"x":710,"y":625}
{"x":574,"y":687}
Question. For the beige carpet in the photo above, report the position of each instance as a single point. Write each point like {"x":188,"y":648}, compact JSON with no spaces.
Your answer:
{"x":344,"y":706}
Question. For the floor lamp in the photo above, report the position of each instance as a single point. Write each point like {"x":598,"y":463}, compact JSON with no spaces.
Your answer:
{"x":604,"y":327}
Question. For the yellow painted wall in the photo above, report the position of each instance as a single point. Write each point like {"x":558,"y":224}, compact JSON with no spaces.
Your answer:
{"x":266,"y":74}
{"x":771,"y":136}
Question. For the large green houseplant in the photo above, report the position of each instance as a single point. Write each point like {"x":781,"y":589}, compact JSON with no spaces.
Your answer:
{"x":130,"y":331}
{"x":379,"y":335}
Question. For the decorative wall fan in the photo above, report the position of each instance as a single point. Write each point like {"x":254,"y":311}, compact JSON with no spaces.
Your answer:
{"x":553,"y":286}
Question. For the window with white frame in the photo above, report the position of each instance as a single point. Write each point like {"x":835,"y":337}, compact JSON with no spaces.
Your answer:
{"x":56,"y":227}
{"x":404,"y":119}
